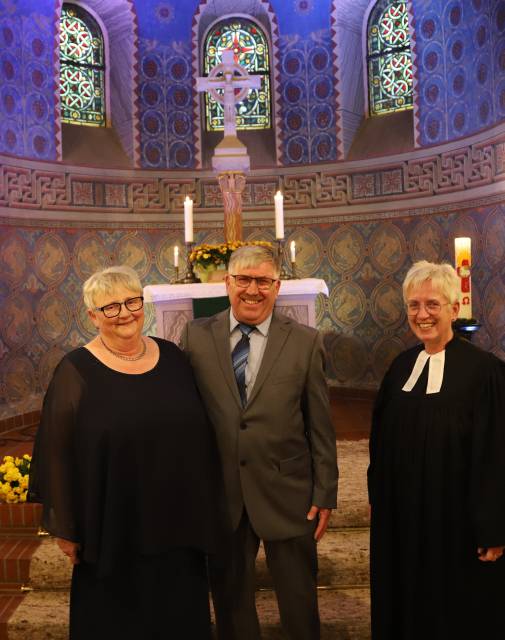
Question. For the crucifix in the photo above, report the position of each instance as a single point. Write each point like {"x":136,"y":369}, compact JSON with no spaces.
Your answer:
{"x":230,"y":159}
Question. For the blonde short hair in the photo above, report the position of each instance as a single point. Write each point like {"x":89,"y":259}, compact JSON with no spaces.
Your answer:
{"x":251,"y":256}
{"x":443,"y":277}
{"x":107,"y":281}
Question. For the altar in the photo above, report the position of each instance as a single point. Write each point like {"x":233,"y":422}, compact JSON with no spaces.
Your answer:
{"x":173,"y":303}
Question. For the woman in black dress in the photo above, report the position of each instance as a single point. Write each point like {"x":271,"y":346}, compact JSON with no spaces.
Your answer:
{"x":126,"y":468}
{"x":437,"y":478}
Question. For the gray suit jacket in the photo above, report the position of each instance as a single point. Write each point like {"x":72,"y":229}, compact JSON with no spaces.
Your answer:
{"x":279,"y":452}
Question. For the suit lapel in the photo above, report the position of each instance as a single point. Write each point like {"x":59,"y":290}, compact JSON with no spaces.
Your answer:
{"x":221,"y":335}
{"x":277,"y":336}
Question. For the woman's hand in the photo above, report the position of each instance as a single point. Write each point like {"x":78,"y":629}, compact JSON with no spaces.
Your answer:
{"x":70,"y":549}
{"x":490,"y":554}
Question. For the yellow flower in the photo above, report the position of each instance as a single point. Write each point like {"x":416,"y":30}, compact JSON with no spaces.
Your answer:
{"x":14,"y":478}
{"x":12,"y":475}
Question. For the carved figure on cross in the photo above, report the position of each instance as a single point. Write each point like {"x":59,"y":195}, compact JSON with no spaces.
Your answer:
{"x":228,"y":76}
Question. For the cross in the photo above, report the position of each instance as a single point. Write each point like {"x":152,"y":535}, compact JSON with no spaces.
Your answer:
{"x":229,"y":75}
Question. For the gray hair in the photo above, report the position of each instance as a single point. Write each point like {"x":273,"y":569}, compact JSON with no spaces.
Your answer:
{"x":107,"y":281}
{"x":251,"y":256}
{"x":443,"y":277}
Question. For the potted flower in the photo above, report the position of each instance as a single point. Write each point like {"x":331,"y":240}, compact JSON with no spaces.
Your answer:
{"x":14,"y":474}
{"x":210,"y":261}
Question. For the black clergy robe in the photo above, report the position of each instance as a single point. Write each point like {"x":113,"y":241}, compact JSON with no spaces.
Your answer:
{"x":437,"y":491}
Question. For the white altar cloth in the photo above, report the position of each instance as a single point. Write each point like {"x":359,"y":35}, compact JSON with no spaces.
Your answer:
{"x":160,"y":292}
{"x":174,"y":302}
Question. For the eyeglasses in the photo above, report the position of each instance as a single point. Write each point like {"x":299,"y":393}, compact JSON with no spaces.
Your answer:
{"x":113,"y":309}
{"x":433,"y":307}
{"x":263,"y":284}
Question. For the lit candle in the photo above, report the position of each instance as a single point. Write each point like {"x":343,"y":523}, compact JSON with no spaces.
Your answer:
{"x":279,"y":216}
{"x":463,"y":255}
{"x":292,"y":249}
{"x":176,"y":256}
{"x":188,"y":219}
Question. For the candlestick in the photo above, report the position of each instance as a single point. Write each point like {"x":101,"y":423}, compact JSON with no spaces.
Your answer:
{"x":188,"y":220}
{"x":284,"y":274}
{"x":176,"y":256}
{"x":189,"y":276}
{"x":279,"y":216}
{"x":463,"y":260}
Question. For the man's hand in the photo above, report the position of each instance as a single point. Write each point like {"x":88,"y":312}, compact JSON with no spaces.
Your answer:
{"x":324,"y":517}
{"x":70,"y":549}
{"x":490,"y":554}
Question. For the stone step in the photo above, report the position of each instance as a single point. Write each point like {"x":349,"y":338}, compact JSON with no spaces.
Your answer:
{"x":352,"y":508}
{"x":345,"y":615}
{"x":343,"y":560}
{"x":49,"y":568}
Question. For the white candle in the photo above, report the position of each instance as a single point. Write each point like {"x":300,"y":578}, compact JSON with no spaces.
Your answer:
{"x":188,"y":219}
{"x":279,"y":216}
{"x":292,"y":249}
{"x":176,"y":256}
{"x":463,"y":261}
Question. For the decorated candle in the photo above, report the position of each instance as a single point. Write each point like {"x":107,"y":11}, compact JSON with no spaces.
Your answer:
{"x":176,"y":256}
{"x":463,"y":253}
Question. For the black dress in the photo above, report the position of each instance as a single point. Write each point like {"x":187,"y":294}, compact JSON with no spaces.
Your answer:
{"x":126,"y":465}
{"x":437,"y":490}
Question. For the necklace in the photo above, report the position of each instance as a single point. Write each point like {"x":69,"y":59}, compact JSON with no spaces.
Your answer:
{"x":123,"y":357}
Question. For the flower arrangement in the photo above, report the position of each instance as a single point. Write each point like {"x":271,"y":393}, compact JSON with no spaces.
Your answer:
{"x":213,"y":255}
{"x":14,"y":478}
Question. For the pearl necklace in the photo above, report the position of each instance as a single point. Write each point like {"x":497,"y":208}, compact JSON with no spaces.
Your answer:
{"x":122,"y":356}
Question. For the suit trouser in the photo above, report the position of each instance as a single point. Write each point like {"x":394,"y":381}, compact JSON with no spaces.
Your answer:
{"x":293,"y":567}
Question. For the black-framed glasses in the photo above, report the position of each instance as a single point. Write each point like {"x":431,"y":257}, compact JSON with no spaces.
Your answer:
{"x":113,"y":309}
{"x":263,"y":284}
{"x":433,"y":307}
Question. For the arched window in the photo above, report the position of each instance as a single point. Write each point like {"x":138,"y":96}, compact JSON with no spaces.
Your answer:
{"x":389,"y":58}
{"x":82,"y":68}
{"x":250,"y":47}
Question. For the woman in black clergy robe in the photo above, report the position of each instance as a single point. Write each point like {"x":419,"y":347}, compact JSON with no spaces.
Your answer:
{"x":437,"y":478}
{"x":125,"y":465}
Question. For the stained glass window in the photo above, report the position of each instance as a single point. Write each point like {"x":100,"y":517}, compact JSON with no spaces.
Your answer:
{"x":250,"y":48}
{"x":82,"y":68}
{"x":389,"y":58}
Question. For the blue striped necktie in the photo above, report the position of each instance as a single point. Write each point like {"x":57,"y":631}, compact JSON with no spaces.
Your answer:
{"x":239,"y":357}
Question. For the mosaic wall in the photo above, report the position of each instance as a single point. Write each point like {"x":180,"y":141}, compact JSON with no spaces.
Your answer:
{"x":461,"y":67}
{"x":27,"y":89}
{"x":363,"y":262}
{"x":308,"y":99}
{"x":460,"y":53}
{"x":166,"y":106}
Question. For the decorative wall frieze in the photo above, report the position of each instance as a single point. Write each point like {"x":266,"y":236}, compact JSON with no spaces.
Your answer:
{"x":49,"y":187}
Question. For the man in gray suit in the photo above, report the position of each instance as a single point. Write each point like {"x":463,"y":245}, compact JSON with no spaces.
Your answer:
{"x":261,"y":378}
